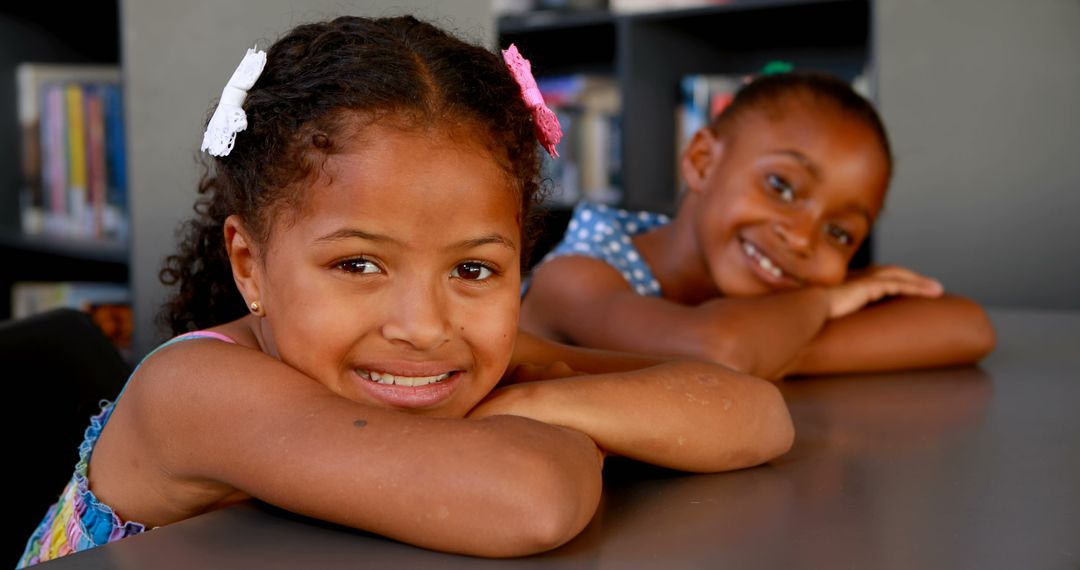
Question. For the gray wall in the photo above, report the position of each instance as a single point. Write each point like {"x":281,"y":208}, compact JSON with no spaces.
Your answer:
{"x":177,"y":57}
{"x":982,"y":101}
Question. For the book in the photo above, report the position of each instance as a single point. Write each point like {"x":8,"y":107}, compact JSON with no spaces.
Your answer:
{"x":76,"y":157}
{"x":53,"y":170}
{"x":60,"y":124}
{"x":93,"y":223}
{"x":115,"y":215}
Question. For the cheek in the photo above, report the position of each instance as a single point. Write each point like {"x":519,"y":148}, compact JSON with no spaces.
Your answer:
{"x":490,"y":327}
{"x":831,"y":270}
{"x":730,"y":207}
{"x":313,"y":323}
{"x":494,"y":320}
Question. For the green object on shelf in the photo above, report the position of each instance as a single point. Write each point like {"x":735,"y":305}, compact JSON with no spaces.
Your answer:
{"x":776,"y":67}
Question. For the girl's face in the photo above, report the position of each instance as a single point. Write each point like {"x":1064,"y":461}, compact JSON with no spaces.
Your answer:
{"x":396,"y":284}
{"x":786,"y":200}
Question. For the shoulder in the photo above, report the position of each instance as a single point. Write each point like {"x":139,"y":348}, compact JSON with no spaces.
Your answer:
{"x":195,"y":401}
{"x":569,"y":285}
{"x":605,"y":233}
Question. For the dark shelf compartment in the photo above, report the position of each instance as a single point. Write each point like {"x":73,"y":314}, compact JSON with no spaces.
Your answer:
{"x":91,"y":250}
{"x":36,"y":260}
{"x":560,"y":43}
{"x":554,"y":20}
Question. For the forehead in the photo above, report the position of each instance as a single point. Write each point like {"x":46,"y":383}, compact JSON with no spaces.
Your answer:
{"x":415,"y":181}
{"x":843,"y":149}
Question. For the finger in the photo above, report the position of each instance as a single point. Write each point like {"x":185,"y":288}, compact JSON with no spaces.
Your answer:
{"x":894,"y":287}
{"x":903,"y":273}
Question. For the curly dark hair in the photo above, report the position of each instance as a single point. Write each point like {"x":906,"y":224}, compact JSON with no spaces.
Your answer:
{"x":770,"y":90}
{"x":318,"y":79}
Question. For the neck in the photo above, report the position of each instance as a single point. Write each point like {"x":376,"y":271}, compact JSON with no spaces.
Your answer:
{"x":675,"y":258}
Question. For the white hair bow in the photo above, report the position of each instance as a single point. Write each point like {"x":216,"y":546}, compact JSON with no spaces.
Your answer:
{"x":229,"y":117}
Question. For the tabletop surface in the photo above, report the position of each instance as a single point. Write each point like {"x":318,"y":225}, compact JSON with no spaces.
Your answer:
{"x":975,"y":467}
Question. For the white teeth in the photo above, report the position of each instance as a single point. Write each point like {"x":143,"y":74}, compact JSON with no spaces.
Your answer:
{"x":384,"y":378}
{"x":762,"y":261}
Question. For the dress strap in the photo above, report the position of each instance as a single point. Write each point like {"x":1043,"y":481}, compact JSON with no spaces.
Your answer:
{"x":204,"y":334}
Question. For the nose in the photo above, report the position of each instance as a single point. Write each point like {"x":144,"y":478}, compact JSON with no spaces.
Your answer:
{"x":417,"y":316}
{"x":797,"y":232}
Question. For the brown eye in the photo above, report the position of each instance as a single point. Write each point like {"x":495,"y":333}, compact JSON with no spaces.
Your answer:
{"x":358,"y":265}
{"x":840,"y":235}
{"x":780,"y":187}
{"x":472,"y":271}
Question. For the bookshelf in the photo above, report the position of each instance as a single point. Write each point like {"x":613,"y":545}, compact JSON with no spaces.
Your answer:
{"x":32,"y":32}
{"x":649,"y":52}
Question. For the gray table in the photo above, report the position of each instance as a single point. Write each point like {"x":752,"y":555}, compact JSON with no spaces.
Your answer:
{"x":958,"y":468}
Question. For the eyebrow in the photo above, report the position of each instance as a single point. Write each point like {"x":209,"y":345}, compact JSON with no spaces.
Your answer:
{"x":862,"y":211}
{"x":802,"y":159}
{"x":492,"y":238}
{"x":353,"y":233}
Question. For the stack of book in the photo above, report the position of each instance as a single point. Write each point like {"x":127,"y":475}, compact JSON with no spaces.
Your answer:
{"x":73,"y":165}
{"x":589,"y":166}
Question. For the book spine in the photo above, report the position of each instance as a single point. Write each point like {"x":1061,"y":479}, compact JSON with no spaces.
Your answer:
{"x":32,"y":193}
{"x":76,"y":141}
{"x":95,"y":144}
{"x":54,"y":158}
{"x":116,"y":220}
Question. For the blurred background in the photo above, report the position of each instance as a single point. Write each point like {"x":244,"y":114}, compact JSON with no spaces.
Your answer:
{"x":102,"y":107}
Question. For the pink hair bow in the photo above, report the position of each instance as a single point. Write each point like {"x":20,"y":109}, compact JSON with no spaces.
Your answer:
{"x":545,"y":122}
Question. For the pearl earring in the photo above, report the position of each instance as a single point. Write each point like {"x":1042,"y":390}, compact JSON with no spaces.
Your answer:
{"x":256,"y":308}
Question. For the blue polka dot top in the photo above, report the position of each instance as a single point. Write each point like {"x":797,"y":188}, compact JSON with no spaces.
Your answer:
{"x":604,"y":233}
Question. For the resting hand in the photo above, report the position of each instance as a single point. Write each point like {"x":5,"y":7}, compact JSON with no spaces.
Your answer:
{"x":875,"y":283}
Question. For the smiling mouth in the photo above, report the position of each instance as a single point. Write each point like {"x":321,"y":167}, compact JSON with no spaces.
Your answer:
{"x":766,"y":264}
{"x":387,"y":378}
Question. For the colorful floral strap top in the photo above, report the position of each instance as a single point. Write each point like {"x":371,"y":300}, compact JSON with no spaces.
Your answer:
{"x":79,"y":521}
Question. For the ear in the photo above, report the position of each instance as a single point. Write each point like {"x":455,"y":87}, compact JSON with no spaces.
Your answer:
{"x":244,"y":259}
{"x":700,"y":156}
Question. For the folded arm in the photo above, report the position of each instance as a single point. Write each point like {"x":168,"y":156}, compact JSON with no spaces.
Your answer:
{"x":501,"y":486}
{"x":597,"y":308}
{"x":812,"y":330}
{"x":689,"y":415}
{"x":900,"y":333}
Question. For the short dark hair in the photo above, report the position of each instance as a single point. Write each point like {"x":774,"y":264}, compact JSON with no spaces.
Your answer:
{"x":768,"y":90}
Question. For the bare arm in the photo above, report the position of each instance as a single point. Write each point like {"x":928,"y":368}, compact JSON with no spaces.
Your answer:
{"x":900,"y":333}
{"x":693,"y":416}
{"x":501,"y":486}
{"x":533,"y":352}
{"x":770,"y":335}
{"x":584,"y":301}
